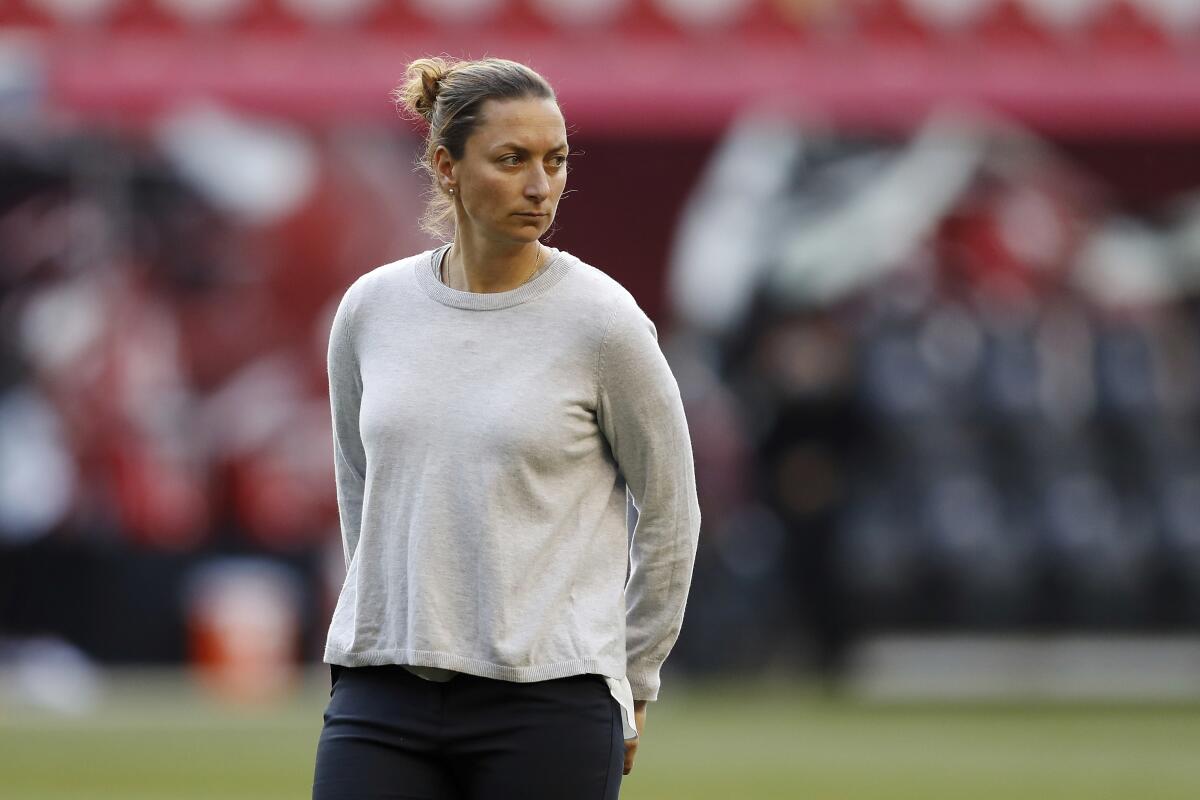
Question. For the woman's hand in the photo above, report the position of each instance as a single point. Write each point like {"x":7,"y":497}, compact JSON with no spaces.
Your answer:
{"x":631,"y":745}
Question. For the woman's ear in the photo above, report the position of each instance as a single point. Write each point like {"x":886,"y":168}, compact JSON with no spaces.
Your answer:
{"x":443,"y":167}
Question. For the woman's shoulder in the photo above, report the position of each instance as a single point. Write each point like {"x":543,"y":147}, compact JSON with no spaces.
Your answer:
{"x":393,"y":274}
{"x":394,"y":270}
{"x":594,"y":288}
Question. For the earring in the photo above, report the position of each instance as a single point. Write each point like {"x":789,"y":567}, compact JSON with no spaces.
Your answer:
{"x":450,"y":190}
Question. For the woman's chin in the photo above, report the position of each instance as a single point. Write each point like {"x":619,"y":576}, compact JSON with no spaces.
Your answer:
{"x":529,"y":235}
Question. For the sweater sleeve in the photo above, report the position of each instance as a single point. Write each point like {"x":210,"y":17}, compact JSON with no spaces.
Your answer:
{"x":345,"y":395}
{"x":641,"y":414}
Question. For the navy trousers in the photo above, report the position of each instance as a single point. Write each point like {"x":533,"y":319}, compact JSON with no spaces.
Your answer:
{"x":391,"y":734}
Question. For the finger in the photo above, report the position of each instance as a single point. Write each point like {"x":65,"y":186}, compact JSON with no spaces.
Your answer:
{"x":630,"y":754}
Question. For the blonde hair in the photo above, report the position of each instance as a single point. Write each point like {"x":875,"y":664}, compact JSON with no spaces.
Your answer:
{"x":448,"y":93}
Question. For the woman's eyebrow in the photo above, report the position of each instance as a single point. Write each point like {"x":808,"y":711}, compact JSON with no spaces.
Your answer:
{"x":524,"y":150}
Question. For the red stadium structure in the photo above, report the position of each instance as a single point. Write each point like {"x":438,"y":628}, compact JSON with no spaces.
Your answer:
{"x":667,"y":66}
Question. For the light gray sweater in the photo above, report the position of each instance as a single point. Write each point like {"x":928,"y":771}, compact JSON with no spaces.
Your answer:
{"x":486,"y":445}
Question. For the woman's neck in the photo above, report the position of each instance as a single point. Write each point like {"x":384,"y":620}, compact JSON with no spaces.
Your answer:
{"x":471,"y":266}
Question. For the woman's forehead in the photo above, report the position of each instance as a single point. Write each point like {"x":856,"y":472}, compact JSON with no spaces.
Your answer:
{"x":532,"y":123}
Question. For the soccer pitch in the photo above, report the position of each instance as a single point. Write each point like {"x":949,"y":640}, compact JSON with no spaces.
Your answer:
{"x":156,"y":737}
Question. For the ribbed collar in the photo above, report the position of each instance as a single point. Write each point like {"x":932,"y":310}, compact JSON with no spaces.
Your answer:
{"x":427,"y":278}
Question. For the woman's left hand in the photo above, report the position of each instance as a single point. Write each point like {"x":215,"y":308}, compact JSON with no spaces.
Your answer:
{"x":631,"y":745}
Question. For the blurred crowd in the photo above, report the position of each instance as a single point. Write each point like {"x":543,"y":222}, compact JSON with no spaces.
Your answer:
{"x":939,"y":382}
{"x":166,"y":303}
{"x":961,"y":380}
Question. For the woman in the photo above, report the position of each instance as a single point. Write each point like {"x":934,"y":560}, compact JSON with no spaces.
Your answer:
{"x":495,"y":401}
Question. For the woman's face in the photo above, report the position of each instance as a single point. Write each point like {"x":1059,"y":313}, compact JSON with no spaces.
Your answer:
{"x":513,"y":170}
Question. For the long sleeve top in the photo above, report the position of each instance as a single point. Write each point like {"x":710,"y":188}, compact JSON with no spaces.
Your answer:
{"x":486,"y":446}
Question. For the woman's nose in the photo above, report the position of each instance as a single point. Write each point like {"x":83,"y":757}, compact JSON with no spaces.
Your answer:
{"x":538,"y":185}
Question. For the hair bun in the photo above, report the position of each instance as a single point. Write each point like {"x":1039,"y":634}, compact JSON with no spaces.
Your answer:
{"x":422,"y":83}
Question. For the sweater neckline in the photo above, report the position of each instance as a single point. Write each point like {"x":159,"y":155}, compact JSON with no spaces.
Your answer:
{"x":550,"y":274}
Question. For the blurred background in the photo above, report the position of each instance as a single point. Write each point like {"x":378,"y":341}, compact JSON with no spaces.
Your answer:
{"x":927,"y":272}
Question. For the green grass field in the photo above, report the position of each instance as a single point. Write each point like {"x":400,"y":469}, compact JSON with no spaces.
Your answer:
{"x":157,"y":738}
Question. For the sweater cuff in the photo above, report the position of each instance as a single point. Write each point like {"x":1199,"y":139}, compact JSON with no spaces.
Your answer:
{"x":644,"y":682}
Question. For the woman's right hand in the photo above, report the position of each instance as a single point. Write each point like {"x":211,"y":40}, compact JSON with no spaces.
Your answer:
{"x":631,"y":745}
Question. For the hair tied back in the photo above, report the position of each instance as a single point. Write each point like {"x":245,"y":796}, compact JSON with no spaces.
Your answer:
{"x":422,"y":85}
